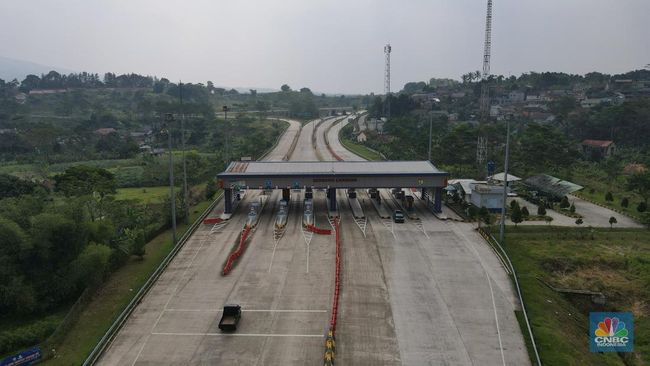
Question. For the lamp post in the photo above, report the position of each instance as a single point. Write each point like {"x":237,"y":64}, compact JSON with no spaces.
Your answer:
{"x":430,"y":133}
{"x":186,"y":208}
{"x":169,"y":118}
{"x":225,"y":117}
{"x":505,"y":183}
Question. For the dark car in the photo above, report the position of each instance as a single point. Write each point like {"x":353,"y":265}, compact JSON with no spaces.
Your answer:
{"x":398,"y":217}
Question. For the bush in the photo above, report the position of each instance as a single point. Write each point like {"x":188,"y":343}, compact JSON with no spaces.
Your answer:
{"x":514,"y":204}
{"x":625,"y":202}
{"x":572,"y":209}
{"x":541,"y":210}
{"x":524,"y":213}
{"x":210,"y":189}
{"x":565,"y":202}
{"x":516,"y":215}
{"x":27,"y":335}
{"x":642,"y":207}
{"x":609,"y":197}
{"x":592,"y":191}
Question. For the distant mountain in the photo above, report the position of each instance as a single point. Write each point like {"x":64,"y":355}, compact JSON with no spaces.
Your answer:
{"x":17,"y":69}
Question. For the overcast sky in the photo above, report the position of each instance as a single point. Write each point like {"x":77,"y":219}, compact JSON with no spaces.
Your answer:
{"x":327,"y":45}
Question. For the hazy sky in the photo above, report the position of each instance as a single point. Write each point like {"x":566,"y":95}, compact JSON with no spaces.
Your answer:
{"x":327,"y":45}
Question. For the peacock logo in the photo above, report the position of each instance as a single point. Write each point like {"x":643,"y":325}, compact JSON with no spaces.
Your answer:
{"x":611,"y":327}
{"x":611,"y":332}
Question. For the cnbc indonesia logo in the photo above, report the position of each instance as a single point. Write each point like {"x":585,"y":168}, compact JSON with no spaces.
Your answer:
{"x":611,"y":332}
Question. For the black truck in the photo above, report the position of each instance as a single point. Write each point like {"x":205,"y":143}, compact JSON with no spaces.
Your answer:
{"x":230,"y":318}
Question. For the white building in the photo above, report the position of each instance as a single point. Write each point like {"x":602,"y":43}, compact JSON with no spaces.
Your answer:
{"x":488,"y":196}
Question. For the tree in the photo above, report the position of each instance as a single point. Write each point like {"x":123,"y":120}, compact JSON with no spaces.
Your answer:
{"x":524,"y":213}
{"x":285,"y":88}
{"x":514,"y":204}
{"x":612,"y":221}
{"x":625,"y":202}
{"x":84,"y":180}
{"x":612,"y":167}
{"x":565,"y":202}
{"x":541,"y":210}
{"x":642,"y":207}
{"x":640,"y":183}
{"x":572,"y":209}
{"x":210,"y":189}
{"x":516,"y":215}
{"x":92,"y":264}
{"x":11,"y":186}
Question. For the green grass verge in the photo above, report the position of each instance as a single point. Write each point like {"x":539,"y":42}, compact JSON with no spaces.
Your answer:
{"x":144,"y":194}
{"x":113,"y":297}
{"x":614,"y":262}
{"x":360,"y":150}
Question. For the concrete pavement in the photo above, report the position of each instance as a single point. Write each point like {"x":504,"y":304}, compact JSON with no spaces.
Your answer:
{"x":426,"y":293}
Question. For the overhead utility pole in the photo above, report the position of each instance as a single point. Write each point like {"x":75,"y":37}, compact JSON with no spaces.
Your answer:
{"x":186,"y":208}
{"x":169,"y":118}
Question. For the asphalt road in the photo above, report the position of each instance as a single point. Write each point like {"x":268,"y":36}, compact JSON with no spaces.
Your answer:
{"x":425,"y":292}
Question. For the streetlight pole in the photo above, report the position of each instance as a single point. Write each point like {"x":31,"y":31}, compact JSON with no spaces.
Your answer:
{"x":225,"y":118}
{"x":505,"y":183}
{"x":186,"y":208}
{"x":169,"y":118}
{"x":430,"y":134}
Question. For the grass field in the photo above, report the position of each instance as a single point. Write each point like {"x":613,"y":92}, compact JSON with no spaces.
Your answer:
{"x":114,"y":295}
{"x":597,"y":185}
{"x":360,"y":150}
{"x":144,"y":194}
{"x":614,"y":262}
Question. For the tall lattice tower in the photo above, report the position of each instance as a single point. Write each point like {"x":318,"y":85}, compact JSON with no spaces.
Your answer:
{"x":481,"y":146}
{"x":387,"y":50}
{"x":487,"y":48}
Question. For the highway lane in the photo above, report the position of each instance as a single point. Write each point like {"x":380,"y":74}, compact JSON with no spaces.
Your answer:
{"x":451,"y":301}
{"x":284,"y":144}
{"x":407,"y":298}
{"x":333,"y":138}
{"x":286,"y":308}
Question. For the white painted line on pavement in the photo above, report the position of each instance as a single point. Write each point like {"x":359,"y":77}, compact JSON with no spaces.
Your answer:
{"x":241,"y":335}
{"x":249,"y":310}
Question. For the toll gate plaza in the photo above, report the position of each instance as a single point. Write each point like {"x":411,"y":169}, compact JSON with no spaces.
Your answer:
{"x":333,"y":175}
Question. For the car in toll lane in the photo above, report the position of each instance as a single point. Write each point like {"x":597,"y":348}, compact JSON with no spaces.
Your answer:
{"x":398,"y":217}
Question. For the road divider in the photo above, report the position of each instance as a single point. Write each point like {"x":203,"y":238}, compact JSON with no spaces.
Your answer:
{"x":238,"y":252}
{"x":212,"y":220}
{"x":331,"y":333}
{"x":318,"y":231}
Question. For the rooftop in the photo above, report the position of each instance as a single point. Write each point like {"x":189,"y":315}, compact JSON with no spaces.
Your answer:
{"x":597,"y":143}
{"x":279,"y":168}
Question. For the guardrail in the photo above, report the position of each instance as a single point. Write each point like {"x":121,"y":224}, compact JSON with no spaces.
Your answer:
{"x":495,"y":243}
{"x":275,"y":144}
{"x":327,"y":141}
{"x":293,"y":145}
{"x":121,"y":319}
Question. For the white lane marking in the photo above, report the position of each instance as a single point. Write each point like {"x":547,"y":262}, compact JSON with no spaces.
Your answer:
{"x":362,"y":223}
{"x":467,"y":244}
{"x":388,"y":223}
{"x":250,"y":310}
{"x":169,"y":299}
{"x":420,"y":227}
{"x":241,"y":335}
